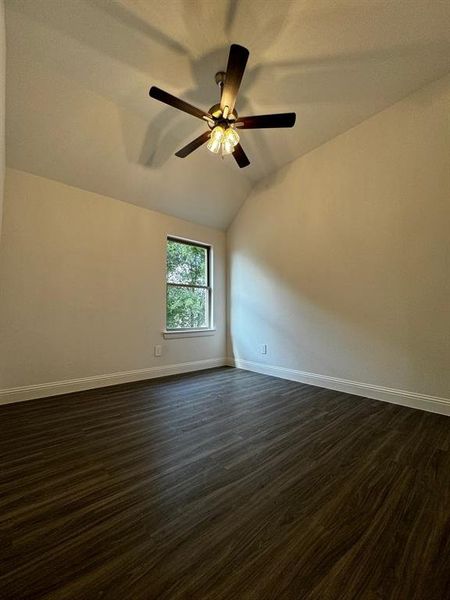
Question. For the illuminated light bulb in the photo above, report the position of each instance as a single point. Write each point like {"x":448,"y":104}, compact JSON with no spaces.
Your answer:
{"x":217,"y":133}
{"x":214,"y":145}
{"x":231,"y":136}
{"x":215,"y":141}
{"x":227,"y":147}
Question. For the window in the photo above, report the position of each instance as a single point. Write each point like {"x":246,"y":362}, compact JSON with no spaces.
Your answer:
{"x":189,"y":293}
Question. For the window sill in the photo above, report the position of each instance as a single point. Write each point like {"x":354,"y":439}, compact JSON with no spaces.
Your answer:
{"x":187,"y":333}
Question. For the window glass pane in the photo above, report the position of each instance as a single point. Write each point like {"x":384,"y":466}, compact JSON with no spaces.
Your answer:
{"x":186,"y":263}
{"x":187,"y":307}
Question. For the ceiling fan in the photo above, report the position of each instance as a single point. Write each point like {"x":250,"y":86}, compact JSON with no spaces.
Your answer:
{"x":222,"y":118}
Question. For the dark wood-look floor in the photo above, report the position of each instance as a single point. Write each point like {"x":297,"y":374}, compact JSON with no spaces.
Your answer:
{"x":223,"y":484}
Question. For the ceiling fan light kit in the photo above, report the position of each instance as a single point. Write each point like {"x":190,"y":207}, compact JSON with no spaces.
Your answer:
{"x":222,"y":118}
{"x":223,"y":139}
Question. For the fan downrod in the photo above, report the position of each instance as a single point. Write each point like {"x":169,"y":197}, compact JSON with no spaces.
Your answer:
{"x":216,"y":110}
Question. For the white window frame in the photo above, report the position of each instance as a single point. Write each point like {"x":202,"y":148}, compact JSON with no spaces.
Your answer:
{"x":209,"y":329}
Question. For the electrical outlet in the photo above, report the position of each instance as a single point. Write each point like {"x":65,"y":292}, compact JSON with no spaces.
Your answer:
{"x":263,"y":348}
{"x":158,"y":350}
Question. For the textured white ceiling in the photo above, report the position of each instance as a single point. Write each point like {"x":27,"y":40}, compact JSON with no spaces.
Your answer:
{"x":78,"y":74}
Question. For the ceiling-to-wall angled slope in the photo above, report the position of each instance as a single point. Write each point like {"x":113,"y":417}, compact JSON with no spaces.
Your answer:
{"x":78,"y":75}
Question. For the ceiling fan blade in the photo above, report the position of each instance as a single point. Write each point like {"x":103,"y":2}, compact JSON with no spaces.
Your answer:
{"x":240,"y":156}
{"x":266,"y":121}
{"x":237,"y":61}
{"x":193,"y":145}
{"x":167,"y":98}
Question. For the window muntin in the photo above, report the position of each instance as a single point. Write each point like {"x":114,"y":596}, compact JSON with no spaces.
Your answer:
{"x":188,"y":282}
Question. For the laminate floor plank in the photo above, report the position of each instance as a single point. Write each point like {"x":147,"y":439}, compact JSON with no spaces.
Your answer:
{"x":223,"y":484}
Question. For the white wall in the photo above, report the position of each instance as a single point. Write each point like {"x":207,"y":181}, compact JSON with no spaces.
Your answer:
{"x":83,"y":287}
{"x":2,"y":105}
{"x":340,"y":262}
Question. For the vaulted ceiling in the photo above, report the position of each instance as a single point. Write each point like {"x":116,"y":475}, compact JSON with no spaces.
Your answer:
{"x":78,"y":74}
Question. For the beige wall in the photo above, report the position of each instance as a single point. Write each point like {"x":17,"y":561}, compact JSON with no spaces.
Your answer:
{"x":83,"y":285}
{"x":340,"y":262}
{"x":2,"y":106}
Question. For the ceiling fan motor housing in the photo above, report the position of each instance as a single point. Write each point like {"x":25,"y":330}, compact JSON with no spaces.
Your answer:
{"x":216,"y":112}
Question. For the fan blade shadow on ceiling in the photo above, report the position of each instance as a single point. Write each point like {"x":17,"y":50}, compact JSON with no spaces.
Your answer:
{"x":116,"y":33}
{"x":152,"y":144}
{"x":126,"y":15}
{"x":231,"y":15}
{"x":344,"y":77}
{"x":165,"y":135}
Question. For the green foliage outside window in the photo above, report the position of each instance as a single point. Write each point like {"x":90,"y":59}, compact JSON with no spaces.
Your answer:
{"x":187,"y":286}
